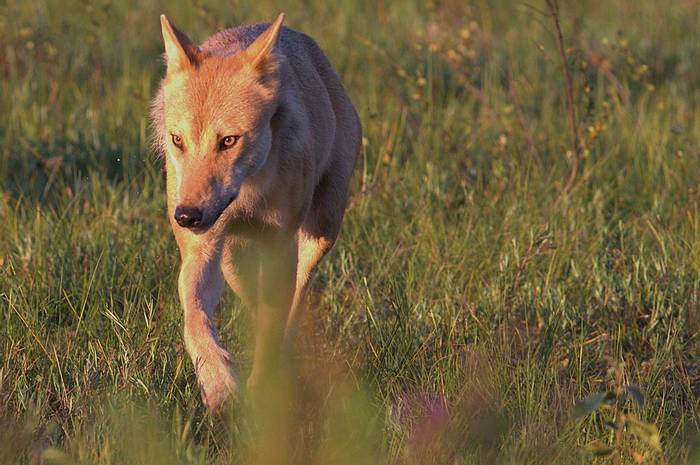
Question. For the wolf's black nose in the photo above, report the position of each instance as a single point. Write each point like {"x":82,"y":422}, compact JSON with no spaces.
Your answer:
{"x":188,"y":217}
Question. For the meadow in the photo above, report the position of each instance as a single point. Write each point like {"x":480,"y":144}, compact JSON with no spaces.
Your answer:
{"x":482,"y":305}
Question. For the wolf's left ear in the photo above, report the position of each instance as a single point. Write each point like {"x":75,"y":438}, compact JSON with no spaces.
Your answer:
{"x":179,"y":49}
{"x":259,"y":51}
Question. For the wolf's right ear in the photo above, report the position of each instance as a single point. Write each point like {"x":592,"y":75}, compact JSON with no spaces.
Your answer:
{"x":260,"y":50}
{"x":181,"y":53}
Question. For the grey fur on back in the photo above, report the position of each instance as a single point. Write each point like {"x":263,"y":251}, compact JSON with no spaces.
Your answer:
{"x":294,"y":46}
{"x":235,"y":39}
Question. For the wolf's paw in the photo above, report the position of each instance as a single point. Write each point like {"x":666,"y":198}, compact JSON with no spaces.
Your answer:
{"x":216,"y":383}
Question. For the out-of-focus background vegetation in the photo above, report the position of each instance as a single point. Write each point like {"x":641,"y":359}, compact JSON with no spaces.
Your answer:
{"x":470,"y":301}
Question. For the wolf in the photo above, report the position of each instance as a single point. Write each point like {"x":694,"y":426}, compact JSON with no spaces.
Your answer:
{"x":260,"y":140}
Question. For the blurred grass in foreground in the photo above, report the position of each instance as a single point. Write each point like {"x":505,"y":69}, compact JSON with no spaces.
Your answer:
{"x":467,"y":306}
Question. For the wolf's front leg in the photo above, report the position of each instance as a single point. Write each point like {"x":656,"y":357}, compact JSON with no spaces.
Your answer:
{"x":278,"y":261}
{"x":200,"y":285}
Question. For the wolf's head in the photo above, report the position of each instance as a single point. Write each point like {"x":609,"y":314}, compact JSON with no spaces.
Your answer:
{"x":215,"y":121}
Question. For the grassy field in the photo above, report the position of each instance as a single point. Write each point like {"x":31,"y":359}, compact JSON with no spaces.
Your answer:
{"x":471,"y":299}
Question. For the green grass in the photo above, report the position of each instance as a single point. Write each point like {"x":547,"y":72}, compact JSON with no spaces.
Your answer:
{"x":468,"y":303}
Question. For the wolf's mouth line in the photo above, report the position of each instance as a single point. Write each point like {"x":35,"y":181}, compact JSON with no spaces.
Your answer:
{"x":205,"y":227}
{"x":221,"y":212}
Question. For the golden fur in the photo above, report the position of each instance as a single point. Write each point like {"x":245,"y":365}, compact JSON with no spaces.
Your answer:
{"x":261,"y":207}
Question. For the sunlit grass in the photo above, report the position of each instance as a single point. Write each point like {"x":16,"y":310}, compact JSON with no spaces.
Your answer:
{"x":468,"y":303}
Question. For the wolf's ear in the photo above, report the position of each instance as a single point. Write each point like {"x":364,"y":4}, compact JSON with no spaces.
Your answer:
{"x":259,"y":51}
{"x":179,"y":49}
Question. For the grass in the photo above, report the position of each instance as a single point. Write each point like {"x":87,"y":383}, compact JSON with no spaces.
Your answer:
{"x":468,"y":304}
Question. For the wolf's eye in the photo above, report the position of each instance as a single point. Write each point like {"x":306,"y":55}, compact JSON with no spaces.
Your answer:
{"x":177,"y":141}
{"x":228,"y":142}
